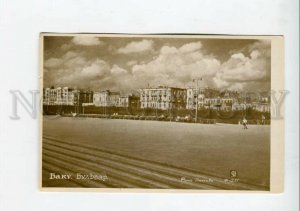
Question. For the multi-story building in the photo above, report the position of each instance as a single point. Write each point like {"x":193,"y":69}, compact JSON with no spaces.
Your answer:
{"x":86,"y":96}
{"x":49,"y":96}
{"x":208,"y":98}
{"x":262,"y":107}
{"x":66,"y":96}
{"x":134,"y":102}
{"x":129,"y":101}
{"x":82,"y":96}
{"x":218,"y":103}
{"x":213,"y":103}
{"x":106,"y":98}
{"x":163,"y":98}
{"x":191,"y":99}
{"x":237,"y":106}
{"x":263,"y":104}
{"x":58,"y":96}
{"x":123,"y":101}
{"x":227,"y":101}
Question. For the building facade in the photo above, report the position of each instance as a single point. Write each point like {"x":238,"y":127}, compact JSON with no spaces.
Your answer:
{"x":227,"y":104}
{"x":191,"y":99}
{"x":208,"y":99}
{"x":213,"y":103}
{"x":83,"y":96}
{"x":58,"y":96}
{"x":49,"y":96}
{"x":263,"y":104}
{"x":123,"y":101}
{"x":106,"y":98}
{"x":129,"y":102}
{"x":163,"y":98}
{"x":66,"y":96}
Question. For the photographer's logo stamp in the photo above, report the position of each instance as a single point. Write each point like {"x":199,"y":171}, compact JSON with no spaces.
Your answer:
{"x":233,"y":173}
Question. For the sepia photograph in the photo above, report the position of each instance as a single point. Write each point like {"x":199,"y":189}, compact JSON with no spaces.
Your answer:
{"x":149,"y":105}
{"x":183,"y":112}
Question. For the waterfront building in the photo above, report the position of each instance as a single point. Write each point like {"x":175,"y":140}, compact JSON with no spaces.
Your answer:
{"x":106,"y":98}
{"x":163,"y":98}
{"x":66,"y":96}
{"x":130,"y":101}
{"x":191,"y":99}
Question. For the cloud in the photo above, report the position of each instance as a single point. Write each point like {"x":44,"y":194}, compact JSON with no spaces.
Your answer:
{"x":76,"y":61}
{"x":87,"y":41}
{"x":247,"y":68}
{"x":74,"y":69}
{"x":69,"y":55}
{"x":177,"y":66}
{"x":86,"y":76}
{"x":254,"y":54}
{"x":190,"y":47}
{"x":98,"y":69}
{"x":246,"y":72}
{"x":131,"y":63}
{"x":168,"y":50}
{"x":65,"y":47}
{"x":238,"y":56}
{"x":136,"y":47}
{"x":53,"y":62}
{"x":116,"y":70}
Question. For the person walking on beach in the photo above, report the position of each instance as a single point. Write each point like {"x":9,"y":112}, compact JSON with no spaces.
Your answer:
{"x":245,"y":123}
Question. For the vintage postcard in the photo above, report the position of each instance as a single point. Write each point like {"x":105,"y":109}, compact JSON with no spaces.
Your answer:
{"x":174,"y":113}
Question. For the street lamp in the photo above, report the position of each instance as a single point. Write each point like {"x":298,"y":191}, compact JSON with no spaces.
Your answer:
{"x":197,"y":96}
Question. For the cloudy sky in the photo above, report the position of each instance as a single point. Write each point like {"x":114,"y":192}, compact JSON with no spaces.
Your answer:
{"x":127,"y":64}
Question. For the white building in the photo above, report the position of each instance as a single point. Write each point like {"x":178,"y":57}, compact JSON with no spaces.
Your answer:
{"x":263,"y":104}
{"x":227,"y":103}
{"x":66,"y":96}
{"x":49,"y":96}
{"x":59,"y":96}
{"x":191,"y":98}
{"x":163,"y":98}
{"x":106,"y":98}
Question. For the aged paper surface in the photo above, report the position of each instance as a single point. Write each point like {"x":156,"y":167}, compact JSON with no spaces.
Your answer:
{"x":167,"y":113}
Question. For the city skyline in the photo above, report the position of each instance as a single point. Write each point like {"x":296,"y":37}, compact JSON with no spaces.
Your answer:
{"x":130,"y":63}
